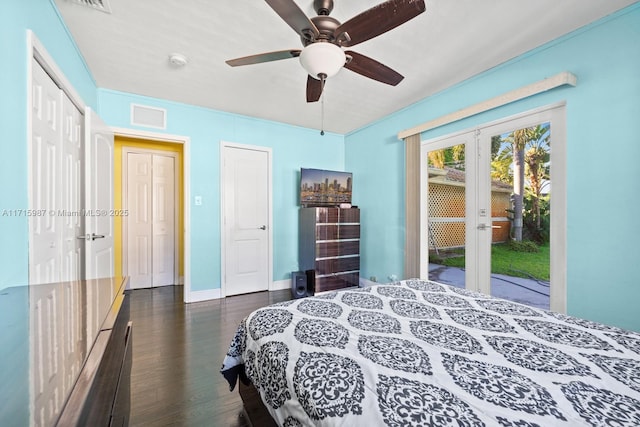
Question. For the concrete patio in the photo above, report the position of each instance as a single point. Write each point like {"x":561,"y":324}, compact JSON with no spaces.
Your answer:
{"x":531,"y":292}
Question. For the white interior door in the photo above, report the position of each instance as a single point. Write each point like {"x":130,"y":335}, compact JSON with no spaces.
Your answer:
{"x":246,"y":216}
{"x":98,"y":198}
{"x":163,"y":219}
{"x":44,"y":244}
{"x":151,"y":224}
{"x":71,"y":194}
{"x":139,"y":220}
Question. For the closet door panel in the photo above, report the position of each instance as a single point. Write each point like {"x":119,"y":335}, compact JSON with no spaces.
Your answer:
{"x":44,"y":250}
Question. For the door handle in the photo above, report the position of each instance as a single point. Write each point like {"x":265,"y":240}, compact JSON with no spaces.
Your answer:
{"x":264,"y":227}
{"x":486,"y":227}
{"x":92,"y":236}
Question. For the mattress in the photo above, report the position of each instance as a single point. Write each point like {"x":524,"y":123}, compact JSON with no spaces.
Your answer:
{"x":421,"y":353}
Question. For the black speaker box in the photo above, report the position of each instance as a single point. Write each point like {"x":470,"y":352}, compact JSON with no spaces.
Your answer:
{"x":299,"y":285}
{"x":311,"y":280}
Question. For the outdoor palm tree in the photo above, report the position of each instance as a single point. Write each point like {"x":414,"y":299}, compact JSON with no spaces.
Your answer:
{"x":518,"y":140}
{"x":527,"y":155}
{"x":536,"y":159}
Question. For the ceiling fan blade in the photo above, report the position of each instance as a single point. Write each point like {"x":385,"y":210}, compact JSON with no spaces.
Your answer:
{"x":378,"y":20}
{"x":264,"y":57}
{"x":371,"y":68}
{"x":291,"y":13}
{"x":314,"y":89}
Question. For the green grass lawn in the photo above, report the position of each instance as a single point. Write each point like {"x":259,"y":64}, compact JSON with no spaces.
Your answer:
{"x":509,"y":262}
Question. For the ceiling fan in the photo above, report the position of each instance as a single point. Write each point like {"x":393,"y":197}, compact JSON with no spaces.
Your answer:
{"x":324,"y":38}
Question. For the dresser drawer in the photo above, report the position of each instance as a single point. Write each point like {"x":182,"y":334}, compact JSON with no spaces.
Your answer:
{"x":327,"y":215}
{"x":335,"y":232}
{"x":349,"y":215}
{"x":335,"y":215}
{"x":337,"y":265}
{"x":337,"y":248}
{"x":337,"y":281}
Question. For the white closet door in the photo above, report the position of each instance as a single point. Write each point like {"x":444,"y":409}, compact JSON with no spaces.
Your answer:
{"x":139,"y":220}
{"x":44,"y":260}
{"x":71,"y":197}
{"x":150,"y":230}
{"x":99,"y":198}
{"x":56,"y":218}
{"x":163,"y":220}
{"x":55,"y":253}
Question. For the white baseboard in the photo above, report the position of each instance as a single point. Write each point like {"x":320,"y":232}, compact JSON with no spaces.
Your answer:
{"x":208,"y":294}
{"x":278,"y":285}
{"x":181,"y":280}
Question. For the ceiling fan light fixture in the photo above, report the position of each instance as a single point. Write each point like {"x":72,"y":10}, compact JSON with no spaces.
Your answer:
{"x":322,"y":58}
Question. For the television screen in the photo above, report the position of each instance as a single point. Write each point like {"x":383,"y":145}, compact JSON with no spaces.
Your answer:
{"x":320,"y":187}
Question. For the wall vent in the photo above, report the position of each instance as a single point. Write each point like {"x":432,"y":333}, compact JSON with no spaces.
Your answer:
{"x":143,"y":115}
{"x":101,"y":5}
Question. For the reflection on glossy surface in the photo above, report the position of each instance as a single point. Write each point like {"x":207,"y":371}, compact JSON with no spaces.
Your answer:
{"x":47,"y":332}
{"x":14,"y":354}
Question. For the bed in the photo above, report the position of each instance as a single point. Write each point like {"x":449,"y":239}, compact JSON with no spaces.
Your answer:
{"x":421,"y":353}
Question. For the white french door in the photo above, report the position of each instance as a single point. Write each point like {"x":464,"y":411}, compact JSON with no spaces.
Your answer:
{"x":465,"y":209}
{"x":246,"y":183}
{"x":445,"y":204}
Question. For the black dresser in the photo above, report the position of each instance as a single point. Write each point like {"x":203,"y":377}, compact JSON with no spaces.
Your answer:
{"x":329,"y":249}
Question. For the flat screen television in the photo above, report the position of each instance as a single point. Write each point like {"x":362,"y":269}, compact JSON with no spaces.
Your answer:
{"x":319,"y":187}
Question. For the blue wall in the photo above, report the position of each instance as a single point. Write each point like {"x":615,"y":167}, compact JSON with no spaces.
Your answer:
{"x":15,"y":18}
{"x":292,"y":148}
{"x":603,"y":148}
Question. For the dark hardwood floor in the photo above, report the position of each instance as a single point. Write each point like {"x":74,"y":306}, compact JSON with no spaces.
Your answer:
{"x":177,"y":354}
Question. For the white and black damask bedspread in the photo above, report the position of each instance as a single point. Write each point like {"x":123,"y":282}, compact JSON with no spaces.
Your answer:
{"x":419,"y":353}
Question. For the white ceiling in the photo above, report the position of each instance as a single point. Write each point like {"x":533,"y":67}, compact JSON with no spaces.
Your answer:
{"x":453,"y":40}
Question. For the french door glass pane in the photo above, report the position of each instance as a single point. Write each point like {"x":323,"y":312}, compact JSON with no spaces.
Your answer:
{"x":520,"y":215}
{"x":446,"y":195}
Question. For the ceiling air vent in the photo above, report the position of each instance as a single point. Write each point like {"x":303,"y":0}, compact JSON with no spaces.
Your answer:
{"x":101,"y":5}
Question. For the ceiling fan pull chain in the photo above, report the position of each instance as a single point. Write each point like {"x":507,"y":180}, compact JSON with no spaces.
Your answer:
{"x":322,"y":112}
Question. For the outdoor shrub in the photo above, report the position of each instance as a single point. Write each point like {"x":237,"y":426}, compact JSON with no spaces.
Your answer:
{"x":523,"y":246}
{"x":530,"y":229}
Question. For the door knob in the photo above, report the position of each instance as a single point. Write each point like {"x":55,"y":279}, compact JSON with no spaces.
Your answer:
{"x":264,"y":227}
